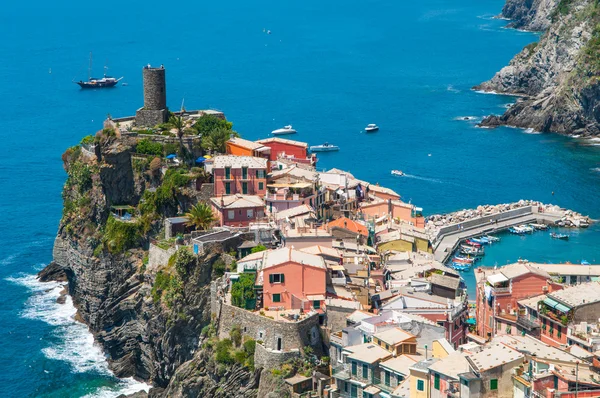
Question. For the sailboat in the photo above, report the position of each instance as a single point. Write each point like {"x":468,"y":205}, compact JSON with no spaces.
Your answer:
{"x":94,"y":82}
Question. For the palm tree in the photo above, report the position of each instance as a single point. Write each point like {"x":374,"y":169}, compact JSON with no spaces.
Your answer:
{"x":215,"y":140}
{"x":200,"y":216}
{"x":176,"y":122}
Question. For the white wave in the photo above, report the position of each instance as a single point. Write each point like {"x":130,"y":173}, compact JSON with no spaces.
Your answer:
{"x":594,"y":139}
{"x":422,"y":178}
{"x":8,"y":260}
{"x":467,"y":118}
{"x":125,"y":386}
{"x":76,"y":344}
{"x":596,"y":169}
{"x":531,"y":131}
{"x":452,"y":89}
{"x":575,"y":136}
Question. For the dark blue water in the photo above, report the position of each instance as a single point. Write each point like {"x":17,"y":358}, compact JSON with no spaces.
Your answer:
{"x":328,"y":68}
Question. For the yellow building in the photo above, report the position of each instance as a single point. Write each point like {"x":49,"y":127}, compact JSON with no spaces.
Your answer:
{"x":405,"y":239}
{"x":419,"y":378}
{"x":441,"y":349}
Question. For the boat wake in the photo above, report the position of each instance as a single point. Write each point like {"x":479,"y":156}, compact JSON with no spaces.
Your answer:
{"x":467,"y":118}
{"x":76,"y":344}
{"x":423,"y":178}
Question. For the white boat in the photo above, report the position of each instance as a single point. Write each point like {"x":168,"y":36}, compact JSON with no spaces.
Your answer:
{"x":286,"y":130}
{"x":397,"y":173}
{"x":371,"y":128}
{"x":326,"y":147}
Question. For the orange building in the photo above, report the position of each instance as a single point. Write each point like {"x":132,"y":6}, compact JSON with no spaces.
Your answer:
{"x":293,"y":279}
{"x":241,"y":147}
{"x":395,"y":209}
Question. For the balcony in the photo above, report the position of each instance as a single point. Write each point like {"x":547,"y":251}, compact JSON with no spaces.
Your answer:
{"x":382,"y":386}
{"x":453,"y":390}
{"x":338,"y":281}
{"x":501,"y":290}
{"x":527,"y":323}
{"x":341,"y":372}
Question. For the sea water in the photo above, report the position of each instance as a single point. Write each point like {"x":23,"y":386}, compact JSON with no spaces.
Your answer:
{"x":327,"y":68}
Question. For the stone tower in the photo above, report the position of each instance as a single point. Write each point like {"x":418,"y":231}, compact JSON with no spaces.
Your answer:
{"x":155,"y":98}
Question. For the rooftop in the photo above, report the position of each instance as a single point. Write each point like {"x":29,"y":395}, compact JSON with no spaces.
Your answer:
{"x":509,"y":272}
{"x":394,"y":336}
{"x":351,"y":225}
{"x":236,"y":162}
{"x":494,"y":355}
{"x":282,"y":141}
{"x":322,"y":250}
{"x":237,"y":201}
{"x":253,"y":256}
{"x":293,"y":212}
{"x":574,"y":296}
{"x":424,"y":364}
{"x":358,"y":316}
{"x":568,"y":269}
{"x":367,"y":353}
{"x":532,"y":302}
{"x":452,"y":365}
{"x":245,"y":143}
{"x":287,"y":254}
{"x":295,"y":171}
{"x":445,"y":281}
{"x":400,"y":364}
{"x":403,"y":389}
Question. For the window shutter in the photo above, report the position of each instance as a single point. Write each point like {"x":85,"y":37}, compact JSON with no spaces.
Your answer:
{"x":282,"y":279}
{"x":271,"y":278}
{"x":256,"y":173}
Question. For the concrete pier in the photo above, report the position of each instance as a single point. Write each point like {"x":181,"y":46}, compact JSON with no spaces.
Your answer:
{"x":449,"y":237}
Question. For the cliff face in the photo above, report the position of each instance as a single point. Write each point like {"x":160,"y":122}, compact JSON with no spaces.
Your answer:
{"x":533,"y":15}
{"x":557,"y":77}
{"x":147,"y":333}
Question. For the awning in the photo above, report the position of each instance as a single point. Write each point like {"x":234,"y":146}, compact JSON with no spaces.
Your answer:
{"x":171,"y":156}
{"x":290,"y":185}
{"x":338,"y":268}
{"x":201,"y":159}
{"x":550,"y":303}
{"x":316,"y":297}
{"x":562,"y":308}
{"x":497,"y":278}
{"x":264,"y":149}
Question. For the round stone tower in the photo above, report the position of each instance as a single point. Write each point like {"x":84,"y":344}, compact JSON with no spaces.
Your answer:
{"x":155,"y":88}
{"x":155,"y":98}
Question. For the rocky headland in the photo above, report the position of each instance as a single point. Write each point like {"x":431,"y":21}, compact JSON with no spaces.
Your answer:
{"x":556,"y":78}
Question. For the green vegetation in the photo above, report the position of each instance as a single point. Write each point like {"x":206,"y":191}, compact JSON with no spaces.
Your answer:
{"x":563,"y":7}
{"x":120,"y":236}
{"x":87,"y":140}
{"x":243,"y":290}
{"x":223,"y":352}
{"x":259,"y":248}
{"x":219,"y":268}
{"x":201,"y":216}
{"x":148,"y":147}
{"x":79,"y":174}
{"x":591,"y":54}
{"x":184,"y":261}
{"x":167,"y":287}
{"x":140,"y":164}
{"x":215,"y":140}
{"x":209,"y":123}
{"x":236,"y":335}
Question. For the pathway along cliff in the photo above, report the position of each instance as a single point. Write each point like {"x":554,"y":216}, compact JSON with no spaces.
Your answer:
{"x":558,"y":77}
{"x":150,"y":330}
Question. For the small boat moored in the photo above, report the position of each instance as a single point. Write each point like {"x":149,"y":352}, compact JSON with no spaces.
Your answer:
{"x":285,"y":130}
{"x":492,"y":238}
{"x":397,"y":173}
{"x":371,"y":128}
{"x":554,"y":235}
{"x":326,"y":147}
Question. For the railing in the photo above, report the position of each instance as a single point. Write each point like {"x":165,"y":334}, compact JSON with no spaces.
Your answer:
{"x":381,"y":385}
{"x":527,"y":323}
{"x":338,"y":281}
{"x":501,"y":290}
{"x":341,"y":372}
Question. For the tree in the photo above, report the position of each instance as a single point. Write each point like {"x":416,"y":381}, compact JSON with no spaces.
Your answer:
{"x":200,"y":216}
{"x":209,"y":123}
{"x":259,"y":248}
{"x":215,"y":140}
{"x":243,"y":290}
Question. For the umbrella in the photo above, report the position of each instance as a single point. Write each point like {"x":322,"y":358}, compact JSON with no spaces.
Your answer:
{"x":201,"y":159}
{"x":171,"y":156}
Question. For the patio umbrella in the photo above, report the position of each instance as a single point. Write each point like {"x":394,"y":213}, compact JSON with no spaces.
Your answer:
{"x":171,"y":156}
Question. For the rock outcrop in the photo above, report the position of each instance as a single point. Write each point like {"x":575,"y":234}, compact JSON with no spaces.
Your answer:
{"x":149,"y":334}
{"x":557,"y":78}
{"x":533,"y":15}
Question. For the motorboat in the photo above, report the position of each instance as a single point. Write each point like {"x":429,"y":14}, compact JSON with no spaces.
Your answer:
{"x":397,"y":173}
{"x":492,"y":238}
{"x":471,"y":251}
{"x":554,"y":235}
{"x":326,"y":147}
{"x":539,"y":227}
{"x":285,"y":130}
{"x":463,"y":260}
{"x":528,"y":229}
{"x":371,"y":128}
{"x":519,"y":230}
{"x":461,"y":267}
{"x":471,"y":242}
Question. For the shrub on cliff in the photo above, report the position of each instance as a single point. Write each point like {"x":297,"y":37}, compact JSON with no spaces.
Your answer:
{"x":223,"y":352}
{"x":79,"y":174}
{"x":243,"y":290}
{"x":148,"y":147}
{"x":120,"y":236}
{"x":184,"y":261}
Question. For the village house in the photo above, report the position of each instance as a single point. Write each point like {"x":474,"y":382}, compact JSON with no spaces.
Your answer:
{"x":292,"y":279}
{"x":383,"y":204}
{"x":344,"y":228}
{"x":246,"y":175}
{"x":240,"y":147}
{"x":294,"y":151}
{"x":497,"y":294}
{"x":402,"y":238}
{"x":238,"y":210}
{"x":443,"y":375}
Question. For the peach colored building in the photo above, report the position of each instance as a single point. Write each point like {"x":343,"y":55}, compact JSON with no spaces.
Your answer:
{"x":238,"y":210}
{"x":293,"y":279}
{"x":395,"y":209}
{"x":246,"y":175}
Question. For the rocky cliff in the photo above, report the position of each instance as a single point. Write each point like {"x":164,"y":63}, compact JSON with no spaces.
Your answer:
{"x":557,"y":78}
{"x":149,"y":324}
{"x":533,"y":15}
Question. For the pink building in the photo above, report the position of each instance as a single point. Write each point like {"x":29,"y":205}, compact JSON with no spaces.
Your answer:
{"x":394,"y":209}
{"x":246,"y":175}
{"x":293,"y":279}
{"x":238,"y":210}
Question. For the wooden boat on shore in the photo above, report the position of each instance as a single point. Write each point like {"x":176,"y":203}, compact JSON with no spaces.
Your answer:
{"x":555,"y":235}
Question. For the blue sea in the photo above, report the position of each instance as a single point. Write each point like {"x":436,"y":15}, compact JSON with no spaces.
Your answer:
{"x":327,"y":68}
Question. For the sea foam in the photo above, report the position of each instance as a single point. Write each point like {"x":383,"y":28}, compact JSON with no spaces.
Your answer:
{"x":76,"y":344}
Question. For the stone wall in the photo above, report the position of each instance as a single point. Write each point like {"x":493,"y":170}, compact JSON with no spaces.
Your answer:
{"x":269,"y":359}
{"x":274,"y":334}
{"x":155,"y":88}
{"x":158,"y":257}
{"x":150,"y":117}
{"x":336,"y":317}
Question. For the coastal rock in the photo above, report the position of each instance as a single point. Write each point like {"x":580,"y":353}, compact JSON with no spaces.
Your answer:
{"x":557,"y":77}
{"x":53,"y":272}
{"x":533,"y":15}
